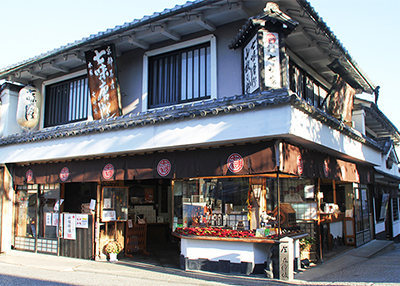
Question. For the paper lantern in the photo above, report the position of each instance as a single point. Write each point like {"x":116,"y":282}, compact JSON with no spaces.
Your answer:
{"x":29,"y":101}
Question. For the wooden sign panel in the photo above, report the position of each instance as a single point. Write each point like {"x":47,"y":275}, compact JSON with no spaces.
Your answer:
{"x":341,"y":101}
{"x":103,"y":82}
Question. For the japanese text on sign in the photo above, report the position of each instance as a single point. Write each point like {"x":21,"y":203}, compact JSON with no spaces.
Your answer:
{"x":103,"y":85}
{"x":251,"y":70}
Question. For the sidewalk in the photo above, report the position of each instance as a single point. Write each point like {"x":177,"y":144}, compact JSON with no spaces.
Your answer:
{"x":159,"y":272}
{"x":346,"y":259}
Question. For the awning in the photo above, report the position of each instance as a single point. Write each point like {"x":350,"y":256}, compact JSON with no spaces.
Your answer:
{"x":312,"y":164}
{"x":235,"y":160}
{"x":246,"y":159}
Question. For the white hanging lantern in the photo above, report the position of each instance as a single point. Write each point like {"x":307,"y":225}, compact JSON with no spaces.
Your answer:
{"x":29,"y":101}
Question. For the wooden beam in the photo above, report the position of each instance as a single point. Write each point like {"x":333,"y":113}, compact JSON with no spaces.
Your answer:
{"x":170,"y":34}
{"x":204,"y":23}
{"x":136,"y":42}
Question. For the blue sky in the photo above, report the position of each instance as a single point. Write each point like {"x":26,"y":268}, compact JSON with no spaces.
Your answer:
{"x":367,"y":29}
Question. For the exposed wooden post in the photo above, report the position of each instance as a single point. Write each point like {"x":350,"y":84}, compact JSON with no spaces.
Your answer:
{"x":319,"y":232}
{"x":334,"y":191}
{"x":97,"y":227}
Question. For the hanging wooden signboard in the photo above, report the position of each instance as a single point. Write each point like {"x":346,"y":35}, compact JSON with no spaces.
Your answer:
{"x":103,"y":82}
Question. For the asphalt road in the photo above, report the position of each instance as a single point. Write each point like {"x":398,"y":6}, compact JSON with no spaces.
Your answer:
{"x":37,"y":269}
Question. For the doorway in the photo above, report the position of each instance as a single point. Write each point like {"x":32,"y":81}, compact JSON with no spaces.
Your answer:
{"x":37,"y":218}
{"x":362,"y":215}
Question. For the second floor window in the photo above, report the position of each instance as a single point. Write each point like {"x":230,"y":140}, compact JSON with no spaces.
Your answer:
{"x":180,"y":76}
{"x":306,"y":86}
{"x":66,"y":102}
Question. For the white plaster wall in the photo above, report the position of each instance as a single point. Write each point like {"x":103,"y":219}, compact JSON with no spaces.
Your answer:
{"x":8,"y":122}
{"x":242,"y":126}
{"x":235,"y":252}
{"x":233,"y":127}
{"x":315,"y":131}
{"x":359,"y":120}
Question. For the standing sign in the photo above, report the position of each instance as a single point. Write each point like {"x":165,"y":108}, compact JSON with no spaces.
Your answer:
{"x":103,"y":83}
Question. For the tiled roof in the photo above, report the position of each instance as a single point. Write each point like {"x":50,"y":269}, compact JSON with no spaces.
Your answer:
{"x":195,"y":110}
{"x":117,"y":29}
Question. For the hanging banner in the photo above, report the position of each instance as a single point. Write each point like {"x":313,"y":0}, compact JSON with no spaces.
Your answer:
{"x":341,"y":100}
{"x":103,"y":82}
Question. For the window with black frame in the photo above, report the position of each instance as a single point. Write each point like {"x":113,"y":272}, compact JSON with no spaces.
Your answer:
{"x":306,"y":86}
{"x":180,"y":76}
{"x":66,"y":102}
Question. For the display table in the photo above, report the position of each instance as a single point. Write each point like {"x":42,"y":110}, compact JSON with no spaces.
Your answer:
{"x":237,"y":255}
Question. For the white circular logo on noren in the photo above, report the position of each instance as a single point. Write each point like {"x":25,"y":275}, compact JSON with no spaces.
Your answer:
{"x":235,"y":163}
{"x":108,"y":171}
{"x":64,"y":174}
{"x":300,"y":165}
{"x":164,"y":167}
{"x":29,"y":175}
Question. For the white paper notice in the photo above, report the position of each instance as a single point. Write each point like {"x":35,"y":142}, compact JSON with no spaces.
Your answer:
{"x":82,"y":221}
{"x":55,"y":219}
{"x":109,"y":215}
{"x":48,"y":219}
{"x":107,"y":203}
{"x":92,"y":204}
{"x":69,"y":226}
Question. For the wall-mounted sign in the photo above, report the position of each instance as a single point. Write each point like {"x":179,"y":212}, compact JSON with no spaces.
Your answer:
{"x":69,"y":226}
{"x":82,"y":221}
{"x":103,"y":82}
{"x":272,"y":66}
{"x":251,"y":70}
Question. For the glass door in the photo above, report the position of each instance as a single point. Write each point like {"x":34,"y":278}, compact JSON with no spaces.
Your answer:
{"x":36,"y":218}
{"x":362,"y":215}
{"x":26,"y":218}
{"x":48,"y":217}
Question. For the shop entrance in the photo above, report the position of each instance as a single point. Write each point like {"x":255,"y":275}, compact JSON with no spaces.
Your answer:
{"x":362,"y":215}
{"x":138,"y":215}
{"x":51,"y":218}
{"x":36,"y":218}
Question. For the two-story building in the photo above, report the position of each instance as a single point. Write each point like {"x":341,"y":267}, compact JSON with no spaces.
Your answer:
{"x":225,"y":114}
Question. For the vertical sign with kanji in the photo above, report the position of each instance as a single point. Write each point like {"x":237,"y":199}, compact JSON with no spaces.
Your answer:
{"x":103,"y":82}
{"x":272,"y":60}
{"x":251,"y":70}
{"x":69,"y":226}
